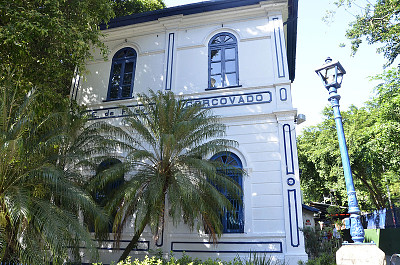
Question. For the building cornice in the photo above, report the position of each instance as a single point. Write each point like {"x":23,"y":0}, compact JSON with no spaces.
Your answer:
{"x":185,"y":10}
{"x":206,"y":13}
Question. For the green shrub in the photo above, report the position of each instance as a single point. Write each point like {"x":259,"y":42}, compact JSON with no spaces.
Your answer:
{"x":323,"y":259}
{"x":254,"y":259}
{"x":321,"y":246}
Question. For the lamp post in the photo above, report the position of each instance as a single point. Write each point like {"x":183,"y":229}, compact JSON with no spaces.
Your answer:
{"x":331,"y":74}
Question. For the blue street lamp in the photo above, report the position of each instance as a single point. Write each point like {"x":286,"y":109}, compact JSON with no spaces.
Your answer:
{"x":331,"y":74}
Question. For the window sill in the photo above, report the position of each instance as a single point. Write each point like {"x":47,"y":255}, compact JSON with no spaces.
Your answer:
{"x":218,"y":88}
{"x":117,"y":99}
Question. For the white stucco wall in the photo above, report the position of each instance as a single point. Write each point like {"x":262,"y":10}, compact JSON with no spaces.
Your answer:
{"x":263,"y":123}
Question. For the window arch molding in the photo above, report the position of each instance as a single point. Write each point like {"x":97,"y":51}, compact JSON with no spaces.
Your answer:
{"x":122,"y":74}
{"x":116,"y":48}
{"x":223,"y":65}
{"x":232,"y":222}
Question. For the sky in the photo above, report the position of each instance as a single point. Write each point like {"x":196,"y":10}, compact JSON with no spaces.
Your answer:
{"x":317,"y":40}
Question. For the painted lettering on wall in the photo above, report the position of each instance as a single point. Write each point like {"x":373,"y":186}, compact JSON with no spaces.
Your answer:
{"x":232,"y":100}
{"x":206,"y":102}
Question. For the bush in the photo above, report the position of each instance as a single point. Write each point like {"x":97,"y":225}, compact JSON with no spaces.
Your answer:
{"x":254,"y":259}
{"x":324,"y":259}
{"x":321,"y":246}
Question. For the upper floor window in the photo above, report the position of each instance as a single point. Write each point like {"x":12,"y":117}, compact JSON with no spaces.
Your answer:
{"x":122,"y":74}
{"x":232,"y":221}
{"x":223,"y":61}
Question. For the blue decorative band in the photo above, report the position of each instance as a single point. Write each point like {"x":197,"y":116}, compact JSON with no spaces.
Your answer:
{"x":206,"y":102}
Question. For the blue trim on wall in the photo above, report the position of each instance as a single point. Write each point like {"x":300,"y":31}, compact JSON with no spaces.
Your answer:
{"x":232,"y":105}
{"x":291,"y":181}
{"x":290,"y":219}
{"x":279,"y":62}
{"x":228,"y":251}
{"x":171,"y":47}
{"x":283,"y":94}
{"x":111,"y":112}
{"x":291,"y":171}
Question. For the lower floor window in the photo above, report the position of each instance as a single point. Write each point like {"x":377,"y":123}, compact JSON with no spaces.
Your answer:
{"x":233,"y":221}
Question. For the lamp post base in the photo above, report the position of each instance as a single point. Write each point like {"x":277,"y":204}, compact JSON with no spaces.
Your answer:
{"x":360,"y":254}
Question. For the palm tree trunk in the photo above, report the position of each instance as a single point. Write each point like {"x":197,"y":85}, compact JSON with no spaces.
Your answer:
{"x":135,"y":239}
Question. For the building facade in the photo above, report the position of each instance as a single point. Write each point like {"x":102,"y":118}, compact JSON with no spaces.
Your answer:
{"x":238,"y":58}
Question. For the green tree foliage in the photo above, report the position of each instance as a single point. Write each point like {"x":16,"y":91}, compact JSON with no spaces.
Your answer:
{"x":46,"y":40}
{"x":169,"y":166}
{"x":372,"y":134}
{"x":388,"y":103}
{"x":378,"y":22}
{"x":41,"y":180}
{"x":128,"y":7}
{"x":321,"y":164}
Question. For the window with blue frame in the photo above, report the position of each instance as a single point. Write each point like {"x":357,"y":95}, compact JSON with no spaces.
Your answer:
{"x":232,"y":221}
{"x":102,"y":195}
{"x":122,"y":74}
{"x":223,"y":61}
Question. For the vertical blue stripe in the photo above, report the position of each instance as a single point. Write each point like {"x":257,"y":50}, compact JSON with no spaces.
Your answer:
{"x":170,"y":61}
{"x":294,"y":227}
{"x":283,"y":94}
{"x":288,"y":145}
{"x":279,"y":54}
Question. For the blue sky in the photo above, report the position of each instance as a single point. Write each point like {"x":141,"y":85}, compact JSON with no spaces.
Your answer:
{"x":317,"y":40}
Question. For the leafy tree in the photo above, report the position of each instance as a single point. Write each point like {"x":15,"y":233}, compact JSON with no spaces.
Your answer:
{"x":41,"y":181}
{"x":372,"y":134}
{"x":320,"y":160}
{"x":128,"y":7}
{"x":378,"y":22}
{"x":169,"y":167}
{"x":387,"y":102}
{"x":46,"y":40}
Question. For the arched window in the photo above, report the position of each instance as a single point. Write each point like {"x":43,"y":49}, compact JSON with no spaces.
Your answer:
{"x":122,"y":74}
{"x":232,"y":221}
{"x":103,"y":195}
{"x":111,"y":164}
{"x":223,"y":61}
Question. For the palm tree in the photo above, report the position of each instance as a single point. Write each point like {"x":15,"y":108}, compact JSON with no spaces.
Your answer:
{"x":169,"y":166}
{"x":40,"y":165}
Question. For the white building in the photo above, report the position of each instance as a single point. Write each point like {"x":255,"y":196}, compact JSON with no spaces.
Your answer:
{"x":238,"y":58}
